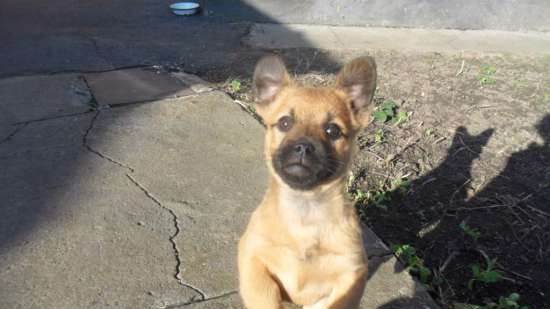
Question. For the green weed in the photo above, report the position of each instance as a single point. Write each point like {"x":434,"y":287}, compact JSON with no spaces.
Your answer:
{"x":360,"y":196}
{"x":504,"y":302}
{"x":379,"y":136}
{"x":486,"y":74}
{"x":382,"y":197}
{"x":235,"y":85}
{"x":402,"y":117}
{"x":413,"y":262}
{"x":430,"y":132}
{"x":489,"y":274}
{"x":387,"y":111}
{"x":400,"y":185}
{"x":472,"y":232}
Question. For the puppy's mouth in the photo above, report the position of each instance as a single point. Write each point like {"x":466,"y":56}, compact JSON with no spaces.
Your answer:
{"x":304,"y":170}
{"x":297,"y":175}
{"x":298,"y":170}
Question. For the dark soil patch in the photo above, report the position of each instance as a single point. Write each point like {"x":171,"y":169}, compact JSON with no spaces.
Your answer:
{"x":476,"y":149}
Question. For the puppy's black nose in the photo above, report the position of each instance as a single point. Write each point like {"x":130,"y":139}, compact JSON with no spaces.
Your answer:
{"x":303,"y":148}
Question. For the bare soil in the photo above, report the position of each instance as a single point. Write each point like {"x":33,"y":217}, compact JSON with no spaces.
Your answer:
{"x":476,"y":149}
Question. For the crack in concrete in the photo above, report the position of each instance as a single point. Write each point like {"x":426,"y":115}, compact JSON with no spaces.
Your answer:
{"x":172,"y":238}
{"x":96,"y":152}
{"x":177,"y":274}
{"x":18,"y":127}
{"x":192,"y":301}
{"x":51,"y":118}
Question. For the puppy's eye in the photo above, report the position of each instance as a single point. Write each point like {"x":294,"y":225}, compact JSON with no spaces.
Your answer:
{"x":285,"y":123}
{"x":333,"y":131}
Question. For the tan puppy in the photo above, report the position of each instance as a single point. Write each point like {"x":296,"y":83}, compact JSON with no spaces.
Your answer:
{"x":303,"y":243}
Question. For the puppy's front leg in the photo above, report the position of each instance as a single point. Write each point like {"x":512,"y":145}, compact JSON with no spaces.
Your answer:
{"x":258,"y":289}
{"x":348,"y":291}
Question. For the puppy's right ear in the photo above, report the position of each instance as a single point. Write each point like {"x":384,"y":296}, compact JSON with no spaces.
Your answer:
{"x":270,"y":76}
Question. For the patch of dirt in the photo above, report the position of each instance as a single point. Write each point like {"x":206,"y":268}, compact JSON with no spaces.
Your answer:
{"x":475,"y":150}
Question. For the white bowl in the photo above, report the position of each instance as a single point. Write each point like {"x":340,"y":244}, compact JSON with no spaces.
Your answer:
{"x":185,"y":8}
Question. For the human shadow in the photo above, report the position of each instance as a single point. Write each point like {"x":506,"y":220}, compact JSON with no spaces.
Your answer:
{"x":526,"y":176}
{"x":510,"y":213}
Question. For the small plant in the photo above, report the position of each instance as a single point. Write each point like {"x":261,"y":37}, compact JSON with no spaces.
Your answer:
{"x":508,"y":302}
{"x":388,"y":111}
{"x":235,"y":85}
{"x":379,"y":136}
{"x":402,"y":117}
{"x":380,"y":198}
{"x":385,"y":111}
{"x":414,"y":263}
{"x":488,"y":275}
{"x":486,"y":75}
{"x":251,"y":108}
{"x":472,"y":232}
{"x":360,"y":195}
{"x":400,"y":185}
{"x":430,"y":132}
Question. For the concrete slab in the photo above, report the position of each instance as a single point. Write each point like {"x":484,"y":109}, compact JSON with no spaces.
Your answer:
{"x":192,"y":81}
{"x":273,"y":36}
{"x":373,"y":244}
{"x":391,"y":287}
{"x":202,"y":158}
{"x":30,"y":98}
{"x":75,"y":232}
{"x":135,"y":85}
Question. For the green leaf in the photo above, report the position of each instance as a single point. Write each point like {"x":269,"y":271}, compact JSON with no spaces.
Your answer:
{"x":389,"y":112}
{"x":380,"y":116}
{"x":379,"y":136}
{"x":425,"y":274}
{"x":402,"y":117}
{"x":471,"y":284}
{"x":388,"y":104}
{"x":476,"y":270}
{"x":360,"y":195}
{"x":492,"y":276}
{"x":235,"y":85}
{"x":472,"y":232}
{"x":488,"y":70}
{"x":514,"y":297}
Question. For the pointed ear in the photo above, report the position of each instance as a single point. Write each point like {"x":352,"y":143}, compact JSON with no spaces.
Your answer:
{"x":358,"y":80}
{"x":270,"y":76}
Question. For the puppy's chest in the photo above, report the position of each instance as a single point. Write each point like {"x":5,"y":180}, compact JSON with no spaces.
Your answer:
{"x":312,"y":249}
{"x":308,"y":267}
{"x":308,"y":271}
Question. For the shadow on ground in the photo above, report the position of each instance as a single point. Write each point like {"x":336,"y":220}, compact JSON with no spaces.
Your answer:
{"x":511,"y":211}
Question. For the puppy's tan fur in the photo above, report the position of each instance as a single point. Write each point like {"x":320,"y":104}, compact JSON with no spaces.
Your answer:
{"x":305,"y":246}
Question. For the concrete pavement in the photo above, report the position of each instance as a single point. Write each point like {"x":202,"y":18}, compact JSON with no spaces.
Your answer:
{"x":488,"y":42}
{"x":136,"y":204}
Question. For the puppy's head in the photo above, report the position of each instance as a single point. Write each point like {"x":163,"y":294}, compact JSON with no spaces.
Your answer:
{"x":311,"y":131}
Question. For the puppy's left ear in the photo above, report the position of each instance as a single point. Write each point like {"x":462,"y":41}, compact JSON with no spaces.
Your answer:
{"x":270,"y":76}
{"x":358,"y":80}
